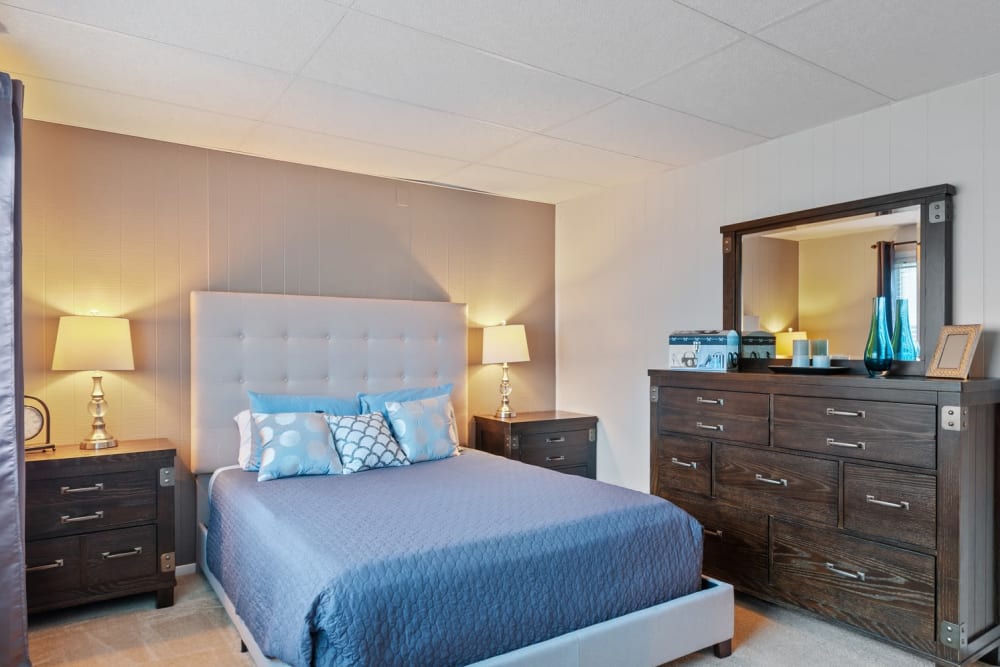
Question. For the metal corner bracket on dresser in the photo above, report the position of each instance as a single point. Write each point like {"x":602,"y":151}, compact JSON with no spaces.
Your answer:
{"x":871,"y":503}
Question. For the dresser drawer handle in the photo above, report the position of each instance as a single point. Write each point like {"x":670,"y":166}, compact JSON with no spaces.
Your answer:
{"x":552,"y":459}
{"x":66,"y":518}
{"x":684,"y":464}
{"x":560,"y":438}
{"x":711,"y":401}
{"x":712,"y":427}
{"x":860,"y":444}
{"x":833,"y":412}
{"x":857,"y":574}
{"x":57,"y":563}
{"x":713,"y":533}
{"x":901,"y":505}
{"x":134,"y":551}
{"x":768,"y":480}
{"x":81,"y":489}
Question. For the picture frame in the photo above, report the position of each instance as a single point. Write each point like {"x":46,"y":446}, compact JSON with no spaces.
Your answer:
{"x":956,"y":345}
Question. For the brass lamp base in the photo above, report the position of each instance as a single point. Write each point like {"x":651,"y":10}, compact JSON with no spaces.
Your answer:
{"x":106,"y":443}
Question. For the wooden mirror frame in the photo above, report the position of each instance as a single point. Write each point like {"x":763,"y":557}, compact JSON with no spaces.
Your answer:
{"x":935,"y":262}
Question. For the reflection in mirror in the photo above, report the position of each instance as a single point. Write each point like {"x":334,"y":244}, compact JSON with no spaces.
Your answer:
{"x":819,"y":279}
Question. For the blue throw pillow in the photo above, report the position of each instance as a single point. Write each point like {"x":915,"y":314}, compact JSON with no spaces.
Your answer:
{"x":296,"y":443}
{"x":274,"y":403}
{"x":426,"y":429}
{"x":376,"y":402}
{"x":365,"y":442}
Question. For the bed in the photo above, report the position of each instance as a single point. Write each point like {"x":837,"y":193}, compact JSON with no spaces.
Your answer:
{"x":499,"y":564}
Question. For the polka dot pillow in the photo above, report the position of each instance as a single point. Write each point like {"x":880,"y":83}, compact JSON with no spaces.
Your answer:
{"x":425,"y":429}
{"x":295,"y":443}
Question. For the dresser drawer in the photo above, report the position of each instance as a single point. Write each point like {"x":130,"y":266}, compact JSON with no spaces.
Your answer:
{"x":729,"y":415}
{"x":891,"y":504}
{"x":735,"y":540}
{"x":52,"y":565}
{"x":556,"y":456}
{"x":882,"y":588}
{"x":683,"y":463}
{"x":777,"y":483}
{"x":116,"y":555}
{"x":79,"y":516}
{"x":901,"y":433}
{"x":548,"y":439}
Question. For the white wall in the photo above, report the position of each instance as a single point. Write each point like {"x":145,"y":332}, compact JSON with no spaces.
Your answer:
{"x":635,"y":263}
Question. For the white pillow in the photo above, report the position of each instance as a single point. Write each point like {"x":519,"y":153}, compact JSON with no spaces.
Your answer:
{"x":244,"y":421}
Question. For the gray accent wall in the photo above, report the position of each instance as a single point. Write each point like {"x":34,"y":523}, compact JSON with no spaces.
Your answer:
{"x":129,"y":227}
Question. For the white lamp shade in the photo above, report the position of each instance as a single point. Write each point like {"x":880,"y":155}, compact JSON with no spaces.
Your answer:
{"x":505,"y":343}
{"x":93,"y":344}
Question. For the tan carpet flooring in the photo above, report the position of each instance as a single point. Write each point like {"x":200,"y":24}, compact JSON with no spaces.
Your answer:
{"x":195,"y":631}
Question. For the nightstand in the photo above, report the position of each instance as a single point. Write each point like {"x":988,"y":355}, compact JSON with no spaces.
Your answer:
{"x":99,"y":524}
{"x":563,"y":441}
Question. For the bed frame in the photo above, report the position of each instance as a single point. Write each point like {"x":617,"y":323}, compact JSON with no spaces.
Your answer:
{"x":340,"y":346}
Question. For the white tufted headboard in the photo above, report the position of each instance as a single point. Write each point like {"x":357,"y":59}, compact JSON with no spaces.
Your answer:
{"x":313,"y":345}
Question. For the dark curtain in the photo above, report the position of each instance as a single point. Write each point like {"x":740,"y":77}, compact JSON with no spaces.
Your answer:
{"x":14,"y":641}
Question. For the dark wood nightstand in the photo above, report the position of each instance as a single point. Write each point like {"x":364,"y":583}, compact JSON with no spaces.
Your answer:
{"x":99,"y":524}
{"x":563,"y":441}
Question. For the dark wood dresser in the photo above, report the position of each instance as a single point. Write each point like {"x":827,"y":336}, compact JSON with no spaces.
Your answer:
{"x":871,"y":502}
{"x":100,"y":524}
{"x":563,"y":441}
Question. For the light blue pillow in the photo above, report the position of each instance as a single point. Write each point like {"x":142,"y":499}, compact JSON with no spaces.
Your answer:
{"x":365,"y":442}
{"x":426,"y":429}
{"x":295,"y":443}
{"x":376,"y":402}
{"x":274,"y":403}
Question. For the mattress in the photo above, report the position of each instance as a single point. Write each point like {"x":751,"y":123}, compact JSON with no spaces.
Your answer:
{"x":439,"y":563}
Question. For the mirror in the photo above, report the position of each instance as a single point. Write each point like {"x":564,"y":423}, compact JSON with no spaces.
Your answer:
{"x":814,"y":274}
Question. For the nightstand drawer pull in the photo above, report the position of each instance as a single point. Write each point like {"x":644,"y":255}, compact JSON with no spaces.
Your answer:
{"x":556,"y":439}
{"x":768,"y":480}
{"x":684,"y":464}
{"x":711,"y":427}
{"x":81,"y":489}
{"x":134,"y":551}
{"x":553,"y":459}
{"x":860,"y":444}
{"x":712,"y":533}
{"x":833,"y":412}
{"x":860,"y":576}
{"x":901,"y":505}
{"x":57,"y":563}
{"x":710,"y":401}
{"x":66,"y":518}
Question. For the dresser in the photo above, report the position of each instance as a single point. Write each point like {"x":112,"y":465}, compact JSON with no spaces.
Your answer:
{"x":556,"y":439}
{"x":99,"y":524}
{"x":871,"y":502}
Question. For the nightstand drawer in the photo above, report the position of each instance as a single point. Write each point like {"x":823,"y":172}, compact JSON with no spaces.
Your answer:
{"x":548,"y":440}
{"x":556,"y":456}
{"x":683,"y":463}
{"x":52,"y":565}
{"x":891,"y":504}
{"x":70,"y":491}
{"x":91,"y":515}
{"x":120,"y":554}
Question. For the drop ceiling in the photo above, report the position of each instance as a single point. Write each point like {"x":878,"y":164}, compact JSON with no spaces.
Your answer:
{"x":545,"y":100}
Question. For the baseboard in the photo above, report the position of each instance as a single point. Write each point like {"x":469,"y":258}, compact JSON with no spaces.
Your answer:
{"x":186,"y":568}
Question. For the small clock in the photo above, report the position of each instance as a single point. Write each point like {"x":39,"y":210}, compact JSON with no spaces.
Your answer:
{"x":36,"y":423}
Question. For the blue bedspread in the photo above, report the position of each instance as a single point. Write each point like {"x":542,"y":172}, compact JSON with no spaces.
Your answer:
{"x":440,"y":563}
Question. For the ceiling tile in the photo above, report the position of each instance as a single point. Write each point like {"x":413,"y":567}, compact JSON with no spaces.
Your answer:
{"x":749,"y":16}
{"x":262,"y":32}
{"x":63,"y":103}
{"x":59,"y":50}
{"x":322,"y":107}
{"x":898,"y":47}
{"x":564,"y":159}
{"x":618,"y":45}
{"x":645,"y":130}
{"x":376,"y":56}
{"x":507,"y":183}
{"x":323,"y":150}
{"x":727,"y":88}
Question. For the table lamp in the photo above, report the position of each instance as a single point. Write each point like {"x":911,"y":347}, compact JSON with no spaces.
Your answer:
{"x":504,"y":344}
{"x":94,"y":344}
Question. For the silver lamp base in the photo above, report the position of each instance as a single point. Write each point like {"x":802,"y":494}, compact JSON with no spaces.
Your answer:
{"x":504,"y":411}
{"x":99,"y":444}
{"x":99,"y":438}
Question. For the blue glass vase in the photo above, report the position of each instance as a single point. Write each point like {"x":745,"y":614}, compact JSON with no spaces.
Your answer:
{"x":878,"y":350}
{"x":904,"y":348}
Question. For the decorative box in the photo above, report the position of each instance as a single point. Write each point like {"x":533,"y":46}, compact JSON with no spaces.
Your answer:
{"x":758,"y":345}
{"x":717,"y":351}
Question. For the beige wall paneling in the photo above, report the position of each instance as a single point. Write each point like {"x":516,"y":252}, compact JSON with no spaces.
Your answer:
{"x":131,"y":226}
{"x":950,"y":136}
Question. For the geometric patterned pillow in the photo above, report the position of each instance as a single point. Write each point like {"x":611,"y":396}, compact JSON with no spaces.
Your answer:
{"x":365,"y":442}
{"x":295,"y":443}
{"x":425,"y":429}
